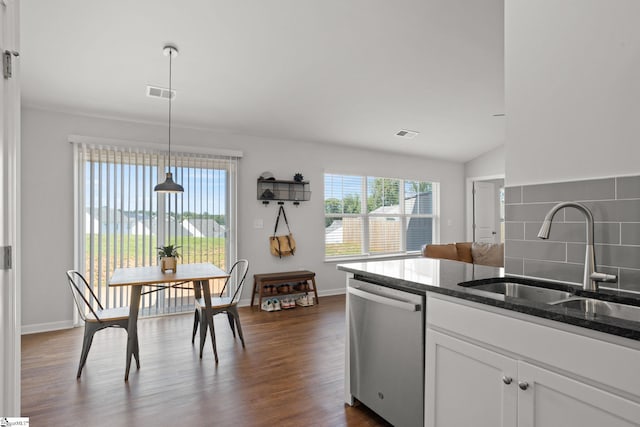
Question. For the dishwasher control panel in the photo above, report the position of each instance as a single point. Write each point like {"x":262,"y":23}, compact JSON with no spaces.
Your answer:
{"x":385,"y":291}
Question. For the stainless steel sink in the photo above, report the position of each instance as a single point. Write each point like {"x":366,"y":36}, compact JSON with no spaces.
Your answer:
{"x":521,"y":291}
{"x":600,"y":307}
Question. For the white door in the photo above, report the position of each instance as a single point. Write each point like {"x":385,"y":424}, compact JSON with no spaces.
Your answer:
{"x":550,"y":399}
{"x":9,"y":221}
{"x":467,"y":385}
{"x":485,"y":200}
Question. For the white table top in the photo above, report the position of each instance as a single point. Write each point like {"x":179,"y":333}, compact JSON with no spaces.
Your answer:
{"x":139,"y":276}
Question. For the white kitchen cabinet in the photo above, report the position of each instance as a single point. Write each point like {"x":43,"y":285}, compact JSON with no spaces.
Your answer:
{"x":486,"y":368}
{"x":551,"y":399}
{"x":467,"y":385}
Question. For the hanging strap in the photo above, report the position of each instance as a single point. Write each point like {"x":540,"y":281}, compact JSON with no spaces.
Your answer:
{"x":284,"y":215}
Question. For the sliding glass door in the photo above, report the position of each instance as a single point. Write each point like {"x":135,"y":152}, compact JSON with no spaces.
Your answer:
{"x":121,"y":221}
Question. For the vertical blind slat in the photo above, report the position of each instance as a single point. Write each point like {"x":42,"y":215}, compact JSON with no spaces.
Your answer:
{"x":99,"y":242}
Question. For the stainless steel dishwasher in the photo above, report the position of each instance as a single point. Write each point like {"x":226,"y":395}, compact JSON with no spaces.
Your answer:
{"x":386,"y":351}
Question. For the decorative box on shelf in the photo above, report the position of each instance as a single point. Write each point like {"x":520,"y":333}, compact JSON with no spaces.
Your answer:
{"x":281,"y":191}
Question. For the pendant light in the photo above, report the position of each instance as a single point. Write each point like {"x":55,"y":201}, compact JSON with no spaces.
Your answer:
{"x":169,"y":186}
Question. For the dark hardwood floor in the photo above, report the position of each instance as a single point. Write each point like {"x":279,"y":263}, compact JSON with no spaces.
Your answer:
{"x":290,"y":374}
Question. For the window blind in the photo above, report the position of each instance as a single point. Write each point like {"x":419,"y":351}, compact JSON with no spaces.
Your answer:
{"x":120,"y":221}
{"x":367,"y":215}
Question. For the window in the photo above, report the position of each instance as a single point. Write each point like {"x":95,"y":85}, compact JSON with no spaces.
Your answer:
{"x":367,"y":216}
{"x":121,"y":221}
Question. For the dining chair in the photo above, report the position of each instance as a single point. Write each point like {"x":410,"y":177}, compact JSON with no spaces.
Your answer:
{"x":222,"y":304}
{"x":95,"y":319}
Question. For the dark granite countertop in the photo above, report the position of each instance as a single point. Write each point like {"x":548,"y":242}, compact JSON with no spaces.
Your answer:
{"x":422,"y":275}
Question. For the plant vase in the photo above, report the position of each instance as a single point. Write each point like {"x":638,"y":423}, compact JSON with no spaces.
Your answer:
{"x":169,"y":263}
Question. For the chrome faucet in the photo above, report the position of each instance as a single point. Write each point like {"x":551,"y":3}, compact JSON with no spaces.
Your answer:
{"x":591,"y":276}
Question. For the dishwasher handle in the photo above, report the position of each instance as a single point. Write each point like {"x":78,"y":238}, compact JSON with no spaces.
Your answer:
{"x":403,"y":305}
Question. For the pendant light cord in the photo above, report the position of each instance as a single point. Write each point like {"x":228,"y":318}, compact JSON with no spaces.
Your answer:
{"x":170,"y":97}
{"x":169,"y":185}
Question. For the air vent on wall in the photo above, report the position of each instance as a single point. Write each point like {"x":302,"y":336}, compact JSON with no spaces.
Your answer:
{"x":407,"y":134}
{"x":160,"y":92}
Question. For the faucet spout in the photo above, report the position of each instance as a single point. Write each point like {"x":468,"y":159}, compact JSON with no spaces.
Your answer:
{"x":591,"y":277}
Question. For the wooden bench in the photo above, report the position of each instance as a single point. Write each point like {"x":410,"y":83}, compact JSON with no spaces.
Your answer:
{"x":282,"y":278}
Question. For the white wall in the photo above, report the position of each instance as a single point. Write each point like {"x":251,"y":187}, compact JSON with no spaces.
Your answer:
{"x":47,"y":200}
{"x":489,"y":164}
{"x":572,"y":89}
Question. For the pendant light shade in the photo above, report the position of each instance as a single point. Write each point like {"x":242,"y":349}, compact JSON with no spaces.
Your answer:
{"x":169,"y":186}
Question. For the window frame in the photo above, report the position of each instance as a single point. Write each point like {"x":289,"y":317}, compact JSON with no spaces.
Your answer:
{"x":366,"y":216}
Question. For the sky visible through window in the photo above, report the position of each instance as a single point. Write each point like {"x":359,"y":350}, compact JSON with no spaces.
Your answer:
{"x":209,"y":181}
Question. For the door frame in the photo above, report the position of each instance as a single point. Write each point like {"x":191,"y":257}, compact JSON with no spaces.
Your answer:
{"x":469,"y":201}
{"x":10,"y":313}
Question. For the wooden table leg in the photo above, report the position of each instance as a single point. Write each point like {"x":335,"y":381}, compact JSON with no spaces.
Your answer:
{"x":206,"y":293}
{"x":132,"y":329}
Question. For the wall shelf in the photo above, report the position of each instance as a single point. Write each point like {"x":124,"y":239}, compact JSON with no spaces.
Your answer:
{"x":270,"y":190}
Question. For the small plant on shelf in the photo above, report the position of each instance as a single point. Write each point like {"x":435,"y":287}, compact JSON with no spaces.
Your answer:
{"x":168,"y":255}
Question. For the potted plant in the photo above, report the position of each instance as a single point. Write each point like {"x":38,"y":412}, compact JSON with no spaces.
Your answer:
{"x":168,"y":257}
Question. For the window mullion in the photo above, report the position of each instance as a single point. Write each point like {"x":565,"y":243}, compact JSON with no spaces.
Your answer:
{"x":365,"y":217}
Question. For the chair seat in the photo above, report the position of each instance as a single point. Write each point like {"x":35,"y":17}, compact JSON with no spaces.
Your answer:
{"x":216,"y":302}
{"x":109,"y":314}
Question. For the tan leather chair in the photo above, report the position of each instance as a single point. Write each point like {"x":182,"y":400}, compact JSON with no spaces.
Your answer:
{"x":447,"y":251}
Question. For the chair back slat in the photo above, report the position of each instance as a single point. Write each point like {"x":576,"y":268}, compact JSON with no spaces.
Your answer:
{"x":79,"y":297}
{"x":237,"y":275}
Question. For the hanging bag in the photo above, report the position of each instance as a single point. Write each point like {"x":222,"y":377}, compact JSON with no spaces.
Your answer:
{"x":282,"y":245}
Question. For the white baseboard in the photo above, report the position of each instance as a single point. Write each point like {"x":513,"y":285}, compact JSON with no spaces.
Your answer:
{"x":330,"y":292}
{"x":68,"y":324}
{"x":46,"y":327}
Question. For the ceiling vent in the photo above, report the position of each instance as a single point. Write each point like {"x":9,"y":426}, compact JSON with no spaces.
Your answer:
{"x":160,"y":92}
{"x":407,"y":134}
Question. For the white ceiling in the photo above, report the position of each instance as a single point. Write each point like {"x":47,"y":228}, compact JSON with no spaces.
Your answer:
{"x":349,"y":72}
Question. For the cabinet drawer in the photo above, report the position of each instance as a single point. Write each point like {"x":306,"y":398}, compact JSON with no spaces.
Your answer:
{"x":612,"y":365}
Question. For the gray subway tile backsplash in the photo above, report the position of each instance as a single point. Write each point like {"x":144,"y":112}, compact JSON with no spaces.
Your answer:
{"x":515,"y":230}
{"x":532,"y":212}
{"x":628,"y":187}
{"x":618,"y":256}
{"x":514,"y":265}
{"x":606,"y":232}
{"x":608,"y":211}
{"x":561,"y":271}
{"x":615,"y":204}
{"x":540,"y":249}
{"x":597,"y":189}
{"x":629,"y":279}
{"x":630,"y":233}
{"x":513,"y":195}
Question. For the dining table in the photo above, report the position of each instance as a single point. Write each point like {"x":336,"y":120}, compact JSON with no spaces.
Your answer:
{"x":139,"y":277}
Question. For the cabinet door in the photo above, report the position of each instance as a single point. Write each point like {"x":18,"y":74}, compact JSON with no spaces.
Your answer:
{"x":467,"y":385}
{"x":551,"y":399}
